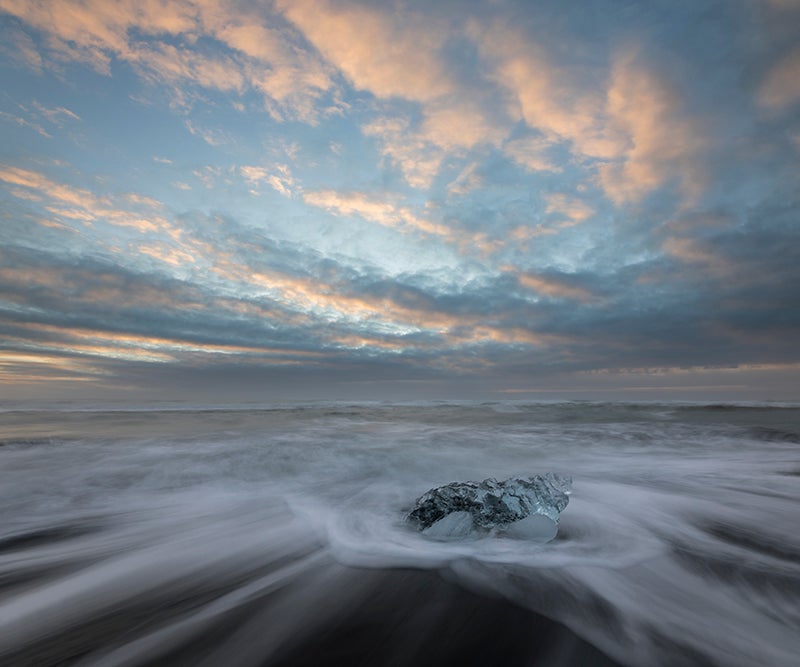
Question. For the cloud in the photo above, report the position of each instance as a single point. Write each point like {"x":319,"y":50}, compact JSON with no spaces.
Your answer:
{"x":253,"y":175}
{"x":574,"y":210}
{"x":282,"y":181}
{"x":374,"y":209}
{"x":283,"y":294}
{"x":37,"y":117}
{"x":265,"y":304}
{"x":502,"y":189}
{"x":701,"y":255}
{"x":460,"y":125}
{"x":781,"y":86}
{"x":417,"y":159}
{"x":102,"y":311}
{"x":661,"y":142}
{"x":164,"y":253}
{"x":398,"y":54}
{"x":165,"y":63}
{"x":279,"y":177}
{"x":558,"y":100}
{"x":554,"y":287}
{"x":36,"y":181}
{"x":468,"y":180}
{"x":161,"y":41}
{"x":389,"y":54}
{"x":212,"y":136}
{"x":446,"y":129}
{"x":532,"y":153}
{"x":23,"y":122}
{"x":627,"y":118}
{"x":257,"y":41}
{"x":55,"y":115}
{"x":80,"y":204}
{"x":21,"y":49}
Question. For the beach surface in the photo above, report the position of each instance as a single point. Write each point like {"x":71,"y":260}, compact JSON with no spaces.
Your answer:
{"x":277,"y":535}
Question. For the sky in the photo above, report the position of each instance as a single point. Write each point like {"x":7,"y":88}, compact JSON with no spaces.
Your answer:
{"x":502,"y":199}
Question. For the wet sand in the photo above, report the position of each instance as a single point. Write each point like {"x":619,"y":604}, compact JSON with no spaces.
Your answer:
{"x":354,"y":617}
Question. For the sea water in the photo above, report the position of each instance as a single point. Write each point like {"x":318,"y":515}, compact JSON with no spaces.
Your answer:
{"x":211,"y":535}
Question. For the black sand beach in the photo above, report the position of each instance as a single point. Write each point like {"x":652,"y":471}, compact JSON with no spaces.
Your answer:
{"x":278,"y":537}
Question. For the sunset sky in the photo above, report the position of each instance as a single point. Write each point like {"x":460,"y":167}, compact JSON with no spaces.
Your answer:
{"x":250,"y":200}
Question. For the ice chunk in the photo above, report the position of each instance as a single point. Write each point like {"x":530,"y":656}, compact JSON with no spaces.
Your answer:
{"x":493,"y":504}
{"x":534,"y":527}
{"x":452,"y":526}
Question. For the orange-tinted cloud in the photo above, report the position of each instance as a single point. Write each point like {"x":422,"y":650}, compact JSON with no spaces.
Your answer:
{"x":661,"y":142}
{"x":264,"y":59}
{"x":279,"y":177}
{"x":552,"y":98}
{"x":574,"y":210}
{"x":83,"y":205}
{"x":374,"y":209}
{"x":378,"y":50}
{"x":416,"y":158}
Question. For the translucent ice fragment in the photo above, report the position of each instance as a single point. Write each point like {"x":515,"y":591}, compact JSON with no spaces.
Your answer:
{"x":534,"y":527}
{"x":452,"y":526}
{"x":493,"y":504}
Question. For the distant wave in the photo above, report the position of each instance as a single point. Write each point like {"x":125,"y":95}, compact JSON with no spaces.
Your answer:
{"x":335,"y":405}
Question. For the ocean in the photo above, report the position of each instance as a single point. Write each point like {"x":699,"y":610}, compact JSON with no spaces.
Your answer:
{"x":276,"y":535}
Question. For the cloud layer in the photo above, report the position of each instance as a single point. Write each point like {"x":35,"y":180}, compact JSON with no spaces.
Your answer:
{"x":316,"y":193}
